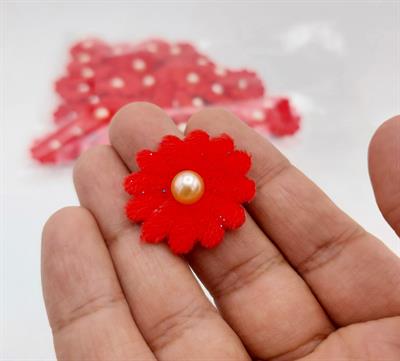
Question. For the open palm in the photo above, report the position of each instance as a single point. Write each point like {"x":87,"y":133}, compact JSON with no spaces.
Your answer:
{"x":299,"y":280}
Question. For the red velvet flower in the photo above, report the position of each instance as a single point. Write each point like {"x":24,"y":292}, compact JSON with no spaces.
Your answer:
{"x":189,"y":190}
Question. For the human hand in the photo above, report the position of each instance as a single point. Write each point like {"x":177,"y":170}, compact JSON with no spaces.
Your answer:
{"x":300,"y":279}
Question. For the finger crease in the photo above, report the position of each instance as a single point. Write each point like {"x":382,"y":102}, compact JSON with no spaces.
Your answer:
{"x":330,"y":249}
{"x":244,"y":273}
{"x":173,"y":326}
{"x":125,"y":227}
{"x":269,"y":174}
{"x":304,"y":349}
{"x":89,"y":308}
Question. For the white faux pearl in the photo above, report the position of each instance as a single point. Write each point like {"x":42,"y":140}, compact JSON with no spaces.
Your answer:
{"x":117,"y":83}
{"x":187,"y":187}
{"x":152,"y":48}
{"x":148,"y":81}
{"x":138,"y":64}
{"x":84,"y":58}
{"x":258,"y":115}
{"x":55,"y":144}
{"x":87,"y":44}
{"x":220,"y":71}
{"x":83,"y":88}
{"x":202,"y":62}
{"x":76,"y":130}
{"x":94,"y":99}
{"x":192,"y":78}
{"x":101,"y":113}
{"x":242,"y":84}
{"x":197,"y":102}
{"x":87,"y":73}
{"x":175,"y":50}
{"x":217,"y":89}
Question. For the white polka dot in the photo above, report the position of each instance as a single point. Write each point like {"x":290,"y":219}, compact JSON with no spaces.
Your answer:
{"x":258,"y":115}
{"x":83,"y":88}
{"x":220,"y":71}
{"x":117,"y":82}
{"x":76,"y":130}
{"x":87,"y":73}
{"x":202,"y":61}
{"x":118,"y":50}
{"x":175,"y":103}
{"x":175,"y":50}
{"x":152,"y":48}
{"x":182,"y":127}
{"x":139,"y":64}
{"x":192,"y":78}
{"x":84,"y":58}
{"x":242,"y":84}
{"x":94,"y":99}
{"x":148,"y":81}
{"x":217,"y":89}
{"x":87,"y":44}
{"x":55,"y":144}
{"x":197,"y":102}
{"x":101,"y":113}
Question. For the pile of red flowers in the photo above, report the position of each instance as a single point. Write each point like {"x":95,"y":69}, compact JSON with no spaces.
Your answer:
{"x":176,"y":76}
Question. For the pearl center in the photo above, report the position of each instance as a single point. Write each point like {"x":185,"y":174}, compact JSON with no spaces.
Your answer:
{"x":187,"y":187}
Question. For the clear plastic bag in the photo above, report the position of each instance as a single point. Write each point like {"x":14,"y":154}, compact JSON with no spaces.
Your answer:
{"x":101,"y":78}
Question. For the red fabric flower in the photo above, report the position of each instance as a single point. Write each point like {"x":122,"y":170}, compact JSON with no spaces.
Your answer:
{"x":283,"y":120}
{"x":166,"y":215}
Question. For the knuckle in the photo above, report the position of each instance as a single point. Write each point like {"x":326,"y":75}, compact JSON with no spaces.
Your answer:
{"x":174,"y":325}
{"x":270,"y":173}
{"x":89,"y":307}
{"x":245,"y":273}
{"x":330,"y":248}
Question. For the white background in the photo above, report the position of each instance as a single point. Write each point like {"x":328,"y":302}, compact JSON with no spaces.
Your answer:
{"x":340,"y":63}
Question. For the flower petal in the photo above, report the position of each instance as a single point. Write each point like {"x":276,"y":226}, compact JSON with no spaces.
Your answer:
{"x":156,"y":227}
{"x":238,"y":162}
{"x":243,"y":190}
{"x":144,"y":183}
{"x":140,"y":208}
{"x":171,"y":156}
{"x":170,"y":143}
{"x":197,"y":138}
{"x":232,"y":187}
{"x":145,"y":159}
{"x":186,"y":227}
{"x":232,"y":214}
{"x":222,"y":144}
{"x":213,"y":235}
{"x":181,"y":242}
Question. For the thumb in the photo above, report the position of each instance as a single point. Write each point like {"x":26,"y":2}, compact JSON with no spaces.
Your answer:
{"x":384,"y":170}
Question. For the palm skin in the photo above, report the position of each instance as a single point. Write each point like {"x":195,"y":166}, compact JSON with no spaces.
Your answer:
{"x":300,"y":279}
